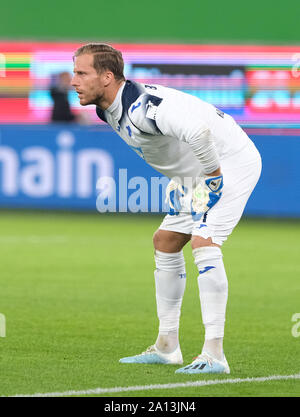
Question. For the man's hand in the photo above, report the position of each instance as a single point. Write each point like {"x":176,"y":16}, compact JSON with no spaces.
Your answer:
{"x":206,"y":194}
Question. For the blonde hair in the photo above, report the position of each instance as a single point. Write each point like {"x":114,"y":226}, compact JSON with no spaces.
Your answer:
{"x":105,"y":58}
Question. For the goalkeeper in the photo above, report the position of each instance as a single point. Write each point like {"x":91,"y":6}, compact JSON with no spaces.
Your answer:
{"x":213,"y":166}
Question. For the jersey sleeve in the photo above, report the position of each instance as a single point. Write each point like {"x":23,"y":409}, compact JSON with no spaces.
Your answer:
{"x":181,"y":116}
{"x":178,"y":116}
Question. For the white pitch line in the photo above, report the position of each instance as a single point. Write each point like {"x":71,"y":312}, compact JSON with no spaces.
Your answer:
{"x":161,"y":386}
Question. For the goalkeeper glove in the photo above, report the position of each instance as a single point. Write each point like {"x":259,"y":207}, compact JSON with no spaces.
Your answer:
{"x":173,"y":193}
{"x":206,"y":194}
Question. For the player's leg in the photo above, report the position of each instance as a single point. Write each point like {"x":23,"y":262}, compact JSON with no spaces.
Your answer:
{"x":170,"y":281}
{"x":213,"y":292}
{"x":207,"y":238}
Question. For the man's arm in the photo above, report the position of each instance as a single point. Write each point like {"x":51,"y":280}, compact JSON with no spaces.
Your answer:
{"x":215,"y":173}
{"x":154,"y":115}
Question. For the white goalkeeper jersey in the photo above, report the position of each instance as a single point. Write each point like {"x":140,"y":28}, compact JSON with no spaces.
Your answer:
{"x":176,"y":133}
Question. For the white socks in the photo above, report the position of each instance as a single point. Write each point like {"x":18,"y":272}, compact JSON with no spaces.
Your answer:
{"x":213,"y":290}
{"x":170,"y":279}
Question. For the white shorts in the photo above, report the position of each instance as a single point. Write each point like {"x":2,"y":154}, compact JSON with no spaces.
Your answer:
{"x":241,"y":172}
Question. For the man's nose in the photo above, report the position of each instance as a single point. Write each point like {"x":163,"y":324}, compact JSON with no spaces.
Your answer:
{"x":73,"y":81}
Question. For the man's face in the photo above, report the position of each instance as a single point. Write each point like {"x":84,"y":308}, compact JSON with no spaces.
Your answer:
{"x":87,"y":82}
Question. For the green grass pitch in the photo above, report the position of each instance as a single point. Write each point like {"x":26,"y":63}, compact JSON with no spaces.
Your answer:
{"x":77,"y":292}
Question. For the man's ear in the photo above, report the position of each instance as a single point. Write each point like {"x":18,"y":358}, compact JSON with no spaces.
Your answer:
{"x":108,"y":77}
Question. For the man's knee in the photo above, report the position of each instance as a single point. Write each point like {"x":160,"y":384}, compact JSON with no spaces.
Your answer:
{"x":157,"y":239}
{"x":200,"y":242}
{"x":168,"y":241}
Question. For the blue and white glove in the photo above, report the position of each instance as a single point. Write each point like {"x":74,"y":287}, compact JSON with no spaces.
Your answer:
{"x":205,"y":195}
{"x":174,"y":192}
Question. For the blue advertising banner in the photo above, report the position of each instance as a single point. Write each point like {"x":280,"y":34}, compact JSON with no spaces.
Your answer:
{"x":277,"y":193}
{"x":59,"y":167}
